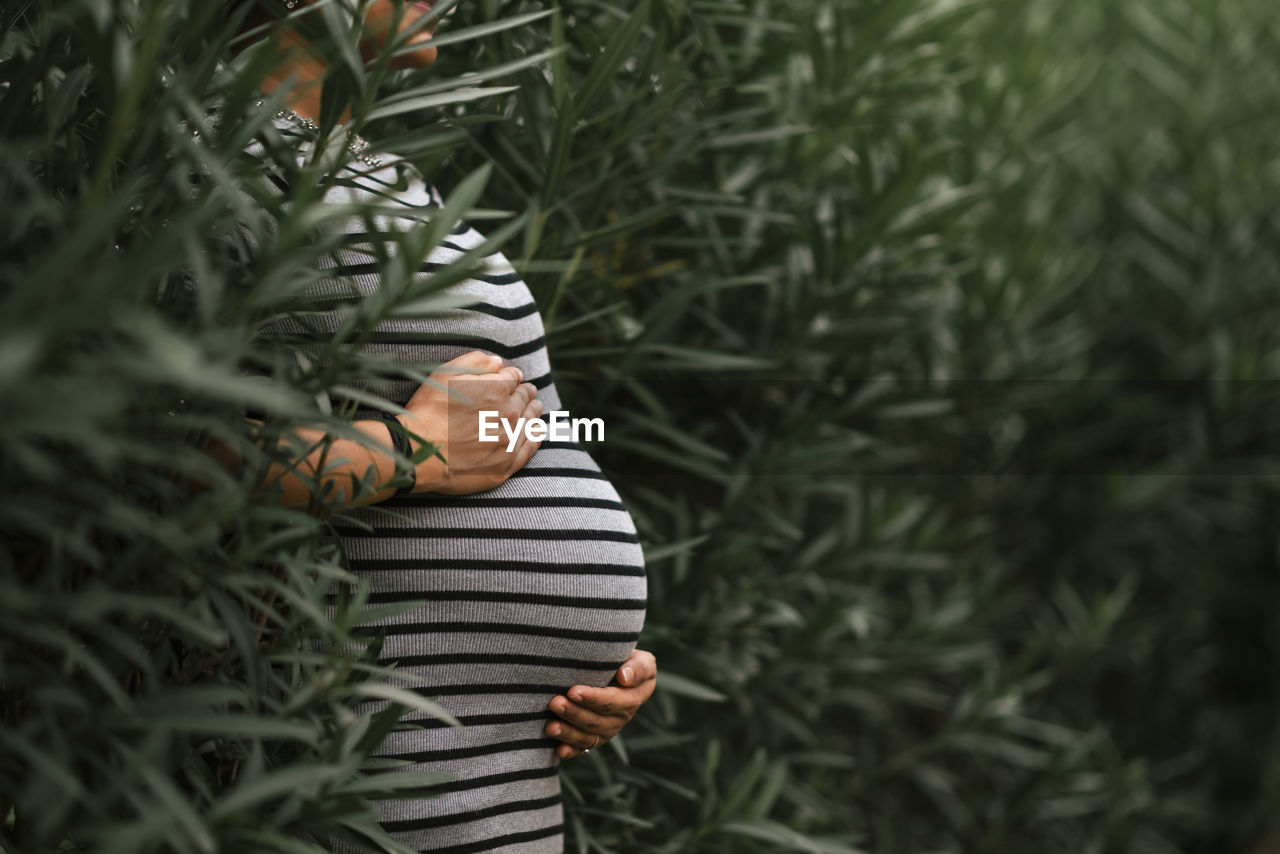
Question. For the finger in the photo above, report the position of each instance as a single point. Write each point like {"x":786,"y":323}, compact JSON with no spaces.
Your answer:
{"x":523,"y":396}
{"x":573,"y":736}
{"x":521,"y":454}
{"x":611,"y":701}
{"x":585,"y":719}
{"x":510,"y":462}
{"x":532,"y":411}
{"x":640,"y":667}
{"x":513,"y":375}
{"x":568,"y":751}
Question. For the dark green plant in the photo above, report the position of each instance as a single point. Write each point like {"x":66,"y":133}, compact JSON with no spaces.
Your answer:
{"x":174,"y":673}
{"x":871,"y":295}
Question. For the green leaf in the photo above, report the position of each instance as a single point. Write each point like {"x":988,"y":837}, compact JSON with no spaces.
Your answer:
{"x":682,"y":686}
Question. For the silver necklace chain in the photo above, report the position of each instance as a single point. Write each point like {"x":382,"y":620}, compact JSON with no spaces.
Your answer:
{"x":357,"y":145}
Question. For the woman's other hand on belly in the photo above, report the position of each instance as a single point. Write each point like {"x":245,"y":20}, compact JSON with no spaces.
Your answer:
{"x":591,"y":716}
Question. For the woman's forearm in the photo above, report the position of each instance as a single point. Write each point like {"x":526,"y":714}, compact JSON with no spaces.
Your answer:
{"x":309,"y":464}
{"x":346,"y":472}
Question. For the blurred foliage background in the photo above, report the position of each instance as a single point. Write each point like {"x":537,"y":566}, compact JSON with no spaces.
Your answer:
{"x":936,"y":340}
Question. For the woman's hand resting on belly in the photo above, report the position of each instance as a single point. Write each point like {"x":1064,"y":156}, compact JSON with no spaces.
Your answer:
{"x":590,"y":716}
{"x":475,"y":381}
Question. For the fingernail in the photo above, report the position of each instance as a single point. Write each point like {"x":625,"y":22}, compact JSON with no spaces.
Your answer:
{"x":554,"y":729}
{"x":538,"y":406}
{"x":628,"y":674}
{"x":576,"y":696}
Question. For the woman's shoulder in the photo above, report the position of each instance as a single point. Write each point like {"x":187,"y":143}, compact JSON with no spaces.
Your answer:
{"x":386,"y":178}
{"x":356,"y":172}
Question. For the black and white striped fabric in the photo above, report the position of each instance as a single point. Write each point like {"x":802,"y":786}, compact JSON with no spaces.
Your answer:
{"x":530,"y":588}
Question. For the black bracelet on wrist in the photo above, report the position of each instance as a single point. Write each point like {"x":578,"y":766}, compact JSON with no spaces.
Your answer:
{"x":400,"y":442}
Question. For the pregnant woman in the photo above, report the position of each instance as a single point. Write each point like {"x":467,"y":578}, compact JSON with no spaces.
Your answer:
{"x":528,"y":564}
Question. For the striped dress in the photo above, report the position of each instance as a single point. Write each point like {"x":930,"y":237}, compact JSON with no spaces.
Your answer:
{"x":529,"y":588}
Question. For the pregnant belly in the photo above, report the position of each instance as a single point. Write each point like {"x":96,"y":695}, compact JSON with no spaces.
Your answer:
{"x":518,"y":593}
